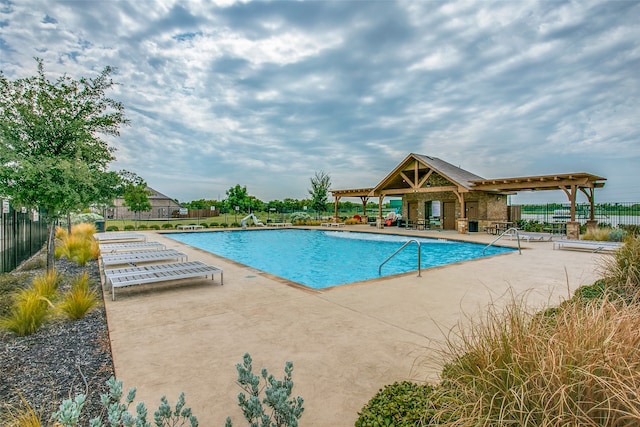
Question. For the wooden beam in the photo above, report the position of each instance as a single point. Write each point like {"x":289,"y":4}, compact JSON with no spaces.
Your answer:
{"x":401,"y":191}
{"x":407,"y":180}
{"x":591,"y":198}
{"x":364,"y":199}
{"x":426,"y":177}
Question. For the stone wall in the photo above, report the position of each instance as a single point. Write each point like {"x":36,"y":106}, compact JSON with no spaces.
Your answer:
{"x":491,"y":207}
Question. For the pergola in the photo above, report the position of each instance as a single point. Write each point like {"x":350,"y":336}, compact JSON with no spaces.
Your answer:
{"x":418,"y":174}
{"x":362,"y":193}
{"x":570,"y":183}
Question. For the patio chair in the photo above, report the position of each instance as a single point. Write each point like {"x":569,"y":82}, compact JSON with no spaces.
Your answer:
{"x":137,"y":257}
{"x":130,"y":276}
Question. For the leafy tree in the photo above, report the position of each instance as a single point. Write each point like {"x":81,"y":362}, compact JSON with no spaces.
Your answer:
{"x":254,"y":204}
{"x":292,"y":204}
{"x":135,"y":194}
{"x":51,"y":154}
{"x":320,"y":184}
{"x":237,"y":196}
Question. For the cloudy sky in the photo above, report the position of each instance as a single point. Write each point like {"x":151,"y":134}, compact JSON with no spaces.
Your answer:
{"x":265,"y":94}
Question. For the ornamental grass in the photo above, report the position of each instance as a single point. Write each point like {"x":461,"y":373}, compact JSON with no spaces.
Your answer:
{"x":46,"y":284}
{"x":621,"y":272}
{"x":80,"y":299}
{"x":576,"y":365}
{"x":27,"y":314}
{"x":79,"y":246}
{"x":21,"y":416}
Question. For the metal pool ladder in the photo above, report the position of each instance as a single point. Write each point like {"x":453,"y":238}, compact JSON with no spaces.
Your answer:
{"x":500,"y":237}
{"x":396,"y":253}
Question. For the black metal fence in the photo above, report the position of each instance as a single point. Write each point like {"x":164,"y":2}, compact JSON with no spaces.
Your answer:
{"x":611,"y":214}
{"x":22,"y":233}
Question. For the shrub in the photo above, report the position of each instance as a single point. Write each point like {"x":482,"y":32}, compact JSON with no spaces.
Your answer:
{"x":595,"y":292}
{"x":204,"y":224}
{"x":530,"y":225}
{"x":352,"y":221}
{"x":81,"y":298}
{"x":142,"y":227}
{"x":34,"y":263}
{"x":513,"y":368}
{"x":69,"y":411}
{"x":399,"y":404}
{"x":167,"y":225}
{"x":617,"y":235}
{"x":284,"y":411}
{"x":154,"y":227}
{"x":27,"y":314}
{"x":213,"y":224}
{"x":112,"y":228}
{"x":129,"y":227}
{"x":632,"y":229}
{"x":87,"y":218}
{"x":224,"y":225}
{"x":235,"y":224}
{"x":299,"y":217}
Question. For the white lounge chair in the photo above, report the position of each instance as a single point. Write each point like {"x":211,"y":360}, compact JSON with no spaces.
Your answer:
{"x":281,"y":224}
{"x":529,"y":236}
{"x":141,"y":256}
{"x":119,"y":236}
{"x":131,"y":276}
{"x":590,"y":245}
{"x":130,"y":246}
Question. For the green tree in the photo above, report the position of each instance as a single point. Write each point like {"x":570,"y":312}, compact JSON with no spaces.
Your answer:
{"x":320,"y":184}
{"x":51,"y":155}
{"x":135,"y":194}
{"x":237,"y":196}
{"x":291,"y":205}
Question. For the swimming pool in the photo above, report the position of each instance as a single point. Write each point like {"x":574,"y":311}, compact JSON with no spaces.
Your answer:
{"x":321,"y":259}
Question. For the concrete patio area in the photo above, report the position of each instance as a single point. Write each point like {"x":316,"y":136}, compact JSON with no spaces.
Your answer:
{"x":345,"y":343}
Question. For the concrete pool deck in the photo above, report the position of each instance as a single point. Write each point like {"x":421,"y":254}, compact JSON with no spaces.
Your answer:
{"x":345,"y":343}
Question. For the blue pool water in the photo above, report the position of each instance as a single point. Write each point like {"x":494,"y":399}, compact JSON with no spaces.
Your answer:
{"x":320,"y":259}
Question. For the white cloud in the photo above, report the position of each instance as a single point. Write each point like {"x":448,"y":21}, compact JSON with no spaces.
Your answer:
{"x":265,"y":94}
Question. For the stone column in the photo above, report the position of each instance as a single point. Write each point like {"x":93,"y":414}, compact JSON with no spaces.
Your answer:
{"x":463,"y":225}
{"x":573,"y":230}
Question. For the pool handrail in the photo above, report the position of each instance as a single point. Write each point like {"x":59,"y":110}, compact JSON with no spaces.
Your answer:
{"x":500,"y":237}
{"x":396,"y":252}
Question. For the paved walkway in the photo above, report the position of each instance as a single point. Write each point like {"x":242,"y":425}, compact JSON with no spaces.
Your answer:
{"x":345,"y":343}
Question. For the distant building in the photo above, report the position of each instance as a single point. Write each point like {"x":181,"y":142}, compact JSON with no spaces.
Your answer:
{"x":162,"y":207}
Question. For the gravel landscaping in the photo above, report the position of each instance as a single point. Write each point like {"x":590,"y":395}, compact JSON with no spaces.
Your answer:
{"x":61,"y":359}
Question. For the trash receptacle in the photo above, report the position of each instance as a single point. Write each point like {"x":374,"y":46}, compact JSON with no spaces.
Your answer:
{"x":100,"y":226}
{"x":473,"y":226}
